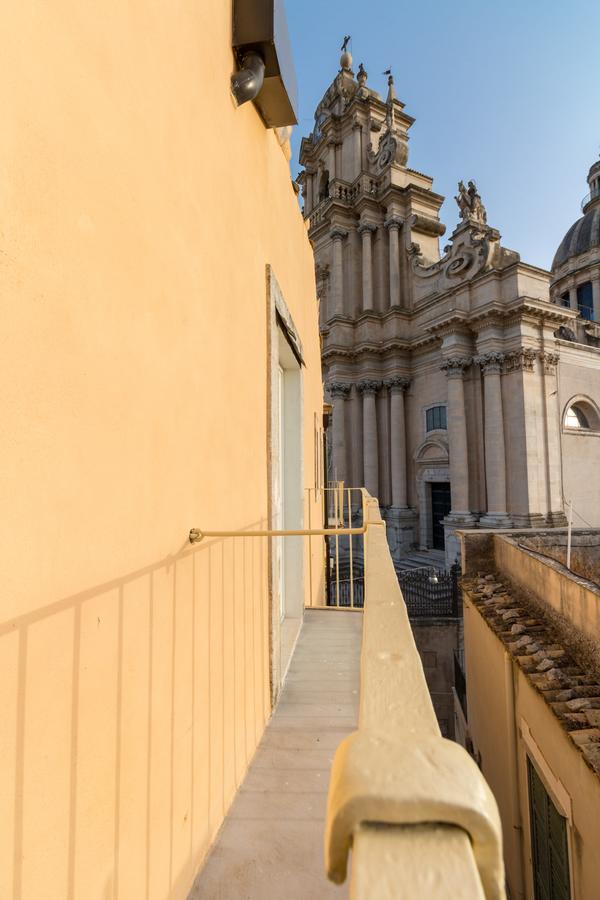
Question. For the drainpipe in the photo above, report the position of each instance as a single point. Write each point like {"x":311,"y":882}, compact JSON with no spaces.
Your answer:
{"x":513,"y":771}
{"x":247,"y":82}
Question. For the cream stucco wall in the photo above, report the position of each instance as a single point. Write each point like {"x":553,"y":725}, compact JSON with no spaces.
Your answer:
{"x":509,"y":721}
{"x":139,"y":212}
{"x":579,"y":378}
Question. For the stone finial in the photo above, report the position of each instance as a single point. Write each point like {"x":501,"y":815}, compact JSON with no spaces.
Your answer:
{"x":391,"y":95}
{"x":346,"y":57}
{"x":369,"y":386}
{"x":469,"y":204}
{"x":455,"y":367}
{"x":362,"y":75}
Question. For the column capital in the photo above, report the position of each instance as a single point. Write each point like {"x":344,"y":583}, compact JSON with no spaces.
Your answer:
{"x":366,"y":228}
{"x":337,"y":233}
{"x":397,"y":383}
{"x":550,"y":361}
{"x":455,"y":367}
{"x":369,"y":386}
{"x":393,"y":222}
{"x":491,"y":363}
{"x":338,"y":389}
{"x":520,"y":360}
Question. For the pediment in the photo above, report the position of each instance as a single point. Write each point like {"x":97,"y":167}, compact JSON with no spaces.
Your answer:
{"x":432,"y":450}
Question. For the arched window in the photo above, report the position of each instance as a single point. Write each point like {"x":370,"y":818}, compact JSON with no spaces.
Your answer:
{"x":575,"y":418}
{"x":581,"y":414}
{"x":324,"y":185}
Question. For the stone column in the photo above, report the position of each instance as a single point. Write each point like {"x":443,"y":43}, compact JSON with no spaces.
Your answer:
{"x":369,"y":390}
{"x":357,"y":139}
{"x":596,"y":296}
{"x":397,"y":386}
{"x":457,"y":440}
{"x":495,"y":455}
{"x":309,"y":199}
{"x":331,"y":159}
{"x":393,"y":226}
{"x":337,"y":271}
{"x":552,"y":412}
{"x":365,"y":230}
{"x":573,"y":297}
{"x":338,"y":391}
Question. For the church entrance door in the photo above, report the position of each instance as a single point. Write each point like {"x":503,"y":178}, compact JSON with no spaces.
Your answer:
{"x":440,"y":508}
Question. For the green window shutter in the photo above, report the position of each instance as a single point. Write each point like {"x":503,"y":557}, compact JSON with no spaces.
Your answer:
{"x":548,"y":841}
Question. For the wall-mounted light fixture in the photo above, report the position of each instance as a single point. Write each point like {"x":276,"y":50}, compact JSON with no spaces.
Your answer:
{"x":266,"y":72}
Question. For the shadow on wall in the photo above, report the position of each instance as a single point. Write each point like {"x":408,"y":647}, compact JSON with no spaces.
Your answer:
{"x":585,"y":552}
{"x":130,"y":712}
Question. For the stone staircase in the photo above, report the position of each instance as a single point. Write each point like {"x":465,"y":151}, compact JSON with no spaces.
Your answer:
{"x":419,"y":559}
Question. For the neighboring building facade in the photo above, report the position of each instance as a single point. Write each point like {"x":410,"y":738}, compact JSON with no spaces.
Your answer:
{"x":532,"y":713}
{"x":160,"y":371}
{"x":443,"y":372}
{"x":576,"y":285}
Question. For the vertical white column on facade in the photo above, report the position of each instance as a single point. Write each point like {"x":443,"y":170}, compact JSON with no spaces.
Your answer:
{"x":573,"y":296}
{"x":365,"y":230}
{"x":338,"y":391}
{"x":357,"y":148}
{"x":331,"y":159}
{"x":551,"y":406}
{"x":457,"y":438}
{"x":309,"y":199}
{"x":393,"y":226}
{"x":337,"y":271}
{"x":596,"y":296}
{"x":495,"y":453}
{"x":397,"y":386}
{"x":369,"y":389}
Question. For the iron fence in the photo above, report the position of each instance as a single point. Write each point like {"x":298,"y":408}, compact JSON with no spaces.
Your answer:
{"x":430,"y":592}
{"x":460,"y":684}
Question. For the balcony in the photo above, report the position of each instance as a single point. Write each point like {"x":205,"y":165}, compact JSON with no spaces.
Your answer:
{"x":353,"y":757}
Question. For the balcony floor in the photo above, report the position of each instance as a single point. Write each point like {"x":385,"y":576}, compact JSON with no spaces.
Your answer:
{"x":271,"y":843}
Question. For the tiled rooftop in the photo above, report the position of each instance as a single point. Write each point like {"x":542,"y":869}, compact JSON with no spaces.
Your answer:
{"x":572,"y":693}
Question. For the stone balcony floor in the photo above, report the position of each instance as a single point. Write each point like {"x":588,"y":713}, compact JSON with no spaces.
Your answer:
{"x":271,"y":843}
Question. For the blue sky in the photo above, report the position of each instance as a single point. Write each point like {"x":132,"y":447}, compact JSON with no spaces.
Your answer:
{"x":506,"y":93}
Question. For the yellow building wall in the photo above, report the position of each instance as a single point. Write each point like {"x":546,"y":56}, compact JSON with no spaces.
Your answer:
{"x":538,"y":734}
{"x":138,"y":212}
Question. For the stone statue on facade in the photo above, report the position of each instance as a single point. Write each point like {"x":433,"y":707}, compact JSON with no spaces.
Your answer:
{"x":469,"y":204}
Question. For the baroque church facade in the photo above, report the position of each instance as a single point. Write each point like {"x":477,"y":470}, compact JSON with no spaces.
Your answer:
{"x":455,"y":378}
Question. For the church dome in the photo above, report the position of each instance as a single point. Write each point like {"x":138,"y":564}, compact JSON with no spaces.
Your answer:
{"x":581,"y":237}
{"x":584,"y":235}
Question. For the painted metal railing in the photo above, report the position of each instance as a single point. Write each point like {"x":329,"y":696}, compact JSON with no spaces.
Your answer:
{"x":344,"y":526}
{"x":344,"y":515}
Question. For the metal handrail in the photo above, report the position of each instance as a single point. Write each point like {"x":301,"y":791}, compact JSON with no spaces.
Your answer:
{"x":196,"y":534}
{"x":594,"y":194}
